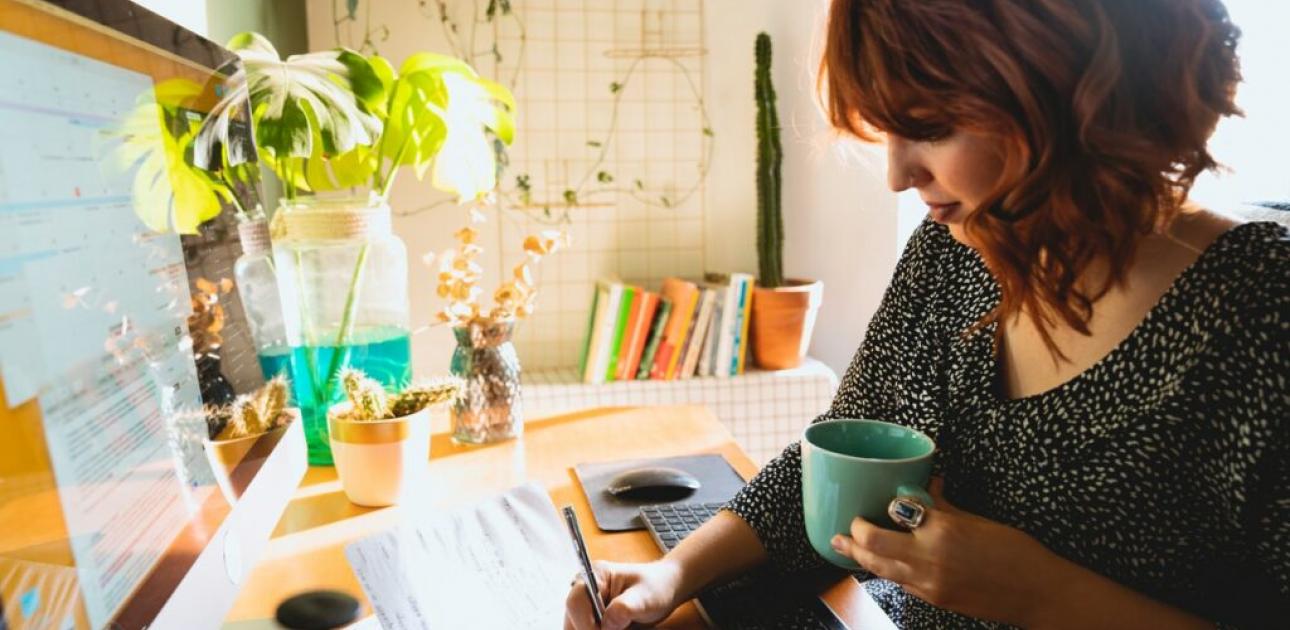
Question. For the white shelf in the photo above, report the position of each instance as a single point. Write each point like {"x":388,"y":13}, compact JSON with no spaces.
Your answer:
{"x":764,"y":410}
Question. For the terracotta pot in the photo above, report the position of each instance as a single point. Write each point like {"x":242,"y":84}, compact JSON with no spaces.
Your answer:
{"x":380,"y":461}
{"x":782,"y":321}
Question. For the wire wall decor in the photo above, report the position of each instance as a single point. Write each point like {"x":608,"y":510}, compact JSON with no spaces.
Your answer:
{"x":613,"y":140}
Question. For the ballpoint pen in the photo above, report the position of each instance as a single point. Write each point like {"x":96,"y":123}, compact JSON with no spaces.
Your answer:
{"x":589,"y":576}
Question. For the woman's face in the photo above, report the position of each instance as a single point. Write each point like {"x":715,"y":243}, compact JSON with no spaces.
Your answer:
{"x":953,"y":175}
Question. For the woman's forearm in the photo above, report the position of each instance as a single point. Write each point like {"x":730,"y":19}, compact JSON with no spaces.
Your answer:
{"x":721,"y":548}
{"x":1076,"y":597}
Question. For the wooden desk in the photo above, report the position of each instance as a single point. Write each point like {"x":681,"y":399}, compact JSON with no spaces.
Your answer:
{"x":307,"y":549}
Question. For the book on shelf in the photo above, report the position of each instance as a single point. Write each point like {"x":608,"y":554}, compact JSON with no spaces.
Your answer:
{"x":588,"y":339}
{"x":694,"y":345}
{"x":741,"y":323}
{"x":656,"y":330}
{"x":638,"y":332}
{"x":713,"y":336}
{"x":728,"y":284}
{"x":625,"y":305}
{"x":684,"y":296}
{"x":608,"y":302}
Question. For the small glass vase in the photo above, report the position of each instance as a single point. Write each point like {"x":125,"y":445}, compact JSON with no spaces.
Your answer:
{"x":490,"y":409}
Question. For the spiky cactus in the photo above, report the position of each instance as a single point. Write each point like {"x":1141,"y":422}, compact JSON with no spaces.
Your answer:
{"x":770,"y":155}
{"x":366,"y":395}
{"x":424,"y":394}
{"x":251,"y":414}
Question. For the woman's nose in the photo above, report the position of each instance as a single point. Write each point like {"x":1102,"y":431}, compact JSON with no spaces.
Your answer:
{"x":903,"y":169}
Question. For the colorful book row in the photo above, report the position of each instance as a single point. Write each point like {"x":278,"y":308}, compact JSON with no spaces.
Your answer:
{"x":686,"y":329}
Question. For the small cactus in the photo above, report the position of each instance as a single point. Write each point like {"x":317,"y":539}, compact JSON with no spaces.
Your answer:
{"x":424,"y":394}
{"x":274,"y":397}
{"x":367,"y":395}
{"x":218,"y":419}
{"x":251,"y":414}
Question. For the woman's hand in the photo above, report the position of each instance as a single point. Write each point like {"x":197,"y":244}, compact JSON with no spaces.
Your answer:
{"x":641,"y":593}
{"x":957,"y":561}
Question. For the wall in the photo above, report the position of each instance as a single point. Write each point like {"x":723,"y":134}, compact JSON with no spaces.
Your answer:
{"x":839,"y":218}
{"x":1253,"y":147}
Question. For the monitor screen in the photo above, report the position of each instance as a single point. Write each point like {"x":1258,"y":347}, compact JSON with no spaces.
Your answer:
{"x":115,"y":328}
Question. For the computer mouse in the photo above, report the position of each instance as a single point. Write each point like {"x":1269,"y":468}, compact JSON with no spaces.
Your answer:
{"x":653,"y":484}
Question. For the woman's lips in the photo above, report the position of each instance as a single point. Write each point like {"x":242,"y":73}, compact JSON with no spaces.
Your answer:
{"x":944,"y":212}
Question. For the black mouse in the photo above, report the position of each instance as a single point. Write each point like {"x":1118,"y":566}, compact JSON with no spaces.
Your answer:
{"x":654,"y":484}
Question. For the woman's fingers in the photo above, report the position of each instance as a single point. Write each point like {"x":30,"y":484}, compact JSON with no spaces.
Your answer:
{"x":883,"y":552}
{"x":577,"y":608}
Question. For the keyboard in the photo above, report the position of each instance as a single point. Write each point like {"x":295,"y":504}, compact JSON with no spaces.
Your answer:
{"x":759,"y":600}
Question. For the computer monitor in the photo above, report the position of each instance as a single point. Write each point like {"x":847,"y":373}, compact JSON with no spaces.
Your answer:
{"x":115,"y":329}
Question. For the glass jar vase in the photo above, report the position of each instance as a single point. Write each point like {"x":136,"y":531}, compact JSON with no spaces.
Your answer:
{"x":343,"y":281}
{"x":490,"y":407}
{"x":257,"y":286}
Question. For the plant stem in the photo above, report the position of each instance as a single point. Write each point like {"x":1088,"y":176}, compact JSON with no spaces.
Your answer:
{"x":306,"y":326}
{"x":341,"y":355}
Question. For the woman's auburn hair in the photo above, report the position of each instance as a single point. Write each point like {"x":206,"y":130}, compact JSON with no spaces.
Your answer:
{"x":1103,"y":109}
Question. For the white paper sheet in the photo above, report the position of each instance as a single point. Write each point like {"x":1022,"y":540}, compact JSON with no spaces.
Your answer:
{"x":503,"y":563}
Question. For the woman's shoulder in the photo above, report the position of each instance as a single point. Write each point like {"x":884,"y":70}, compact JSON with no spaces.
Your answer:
{"x":1252,"y":261}
{"x":931,"y":249}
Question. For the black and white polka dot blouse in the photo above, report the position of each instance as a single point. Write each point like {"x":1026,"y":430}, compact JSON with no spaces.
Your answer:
{"x":1165,"y":466}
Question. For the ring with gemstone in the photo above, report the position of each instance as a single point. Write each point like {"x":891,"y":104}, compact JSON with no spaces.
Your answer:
{"x":907,"y":512}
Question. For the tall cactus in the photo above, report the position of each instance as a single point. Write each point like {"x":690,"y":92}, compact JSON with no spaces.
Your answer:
{"x":770,"y":155}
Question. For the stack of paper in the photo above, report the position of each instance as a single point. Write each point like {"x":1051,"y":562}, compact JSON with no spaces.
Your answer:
{"x":504,"y":563}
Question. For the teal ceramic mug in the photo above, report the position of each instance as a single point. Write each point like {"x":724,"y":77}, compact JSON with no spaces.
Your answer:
{"x":855,"y":468}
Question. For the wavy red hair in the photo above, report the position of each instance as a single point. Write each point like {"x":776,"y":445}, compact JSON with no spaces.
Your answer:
{"x":1103,"y":107}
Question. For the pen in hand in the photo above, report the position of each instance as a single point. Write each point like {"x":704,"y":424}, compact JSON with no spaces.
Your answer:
{"x":588,"y":575}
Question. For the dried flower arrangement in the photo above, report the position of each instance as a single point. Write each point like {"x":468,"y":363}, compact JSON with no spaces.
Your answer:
{"x":369,"y":401}
{"x":459,"y":276}
{"x":207,"y":319}
{"x":251,"y":414}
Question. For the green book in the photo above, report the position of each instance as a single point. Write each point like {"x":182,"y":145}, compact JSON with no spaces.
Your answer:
{"x":655,"y":337}
{"x":591,"y":330}
{"x":620,"y":326}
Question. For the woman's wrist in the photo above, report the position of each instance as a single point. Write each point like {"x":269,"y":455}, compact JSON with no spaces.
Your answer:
{"x":682,"y":586}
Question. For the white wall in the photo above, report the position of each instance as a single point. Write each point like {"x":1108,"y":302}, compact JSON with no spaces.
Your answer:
{"x":190,"y":14}
{"x":839,"y":218}
{"x":1254,"y":147}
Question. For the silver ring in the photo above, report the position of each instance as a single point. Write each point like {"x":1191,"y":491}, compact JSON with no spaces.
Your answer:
{"x":907,"y":512}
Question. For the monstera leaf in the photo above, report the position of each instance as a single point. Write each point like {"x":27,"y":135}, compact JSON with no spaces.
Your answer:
{"x":154,"y":144}
{"x":466,"y":164}
{"x":309,"y":108}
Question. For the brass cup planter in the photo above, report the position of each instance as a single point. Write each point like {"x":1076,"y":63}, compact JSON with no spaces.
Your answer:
{"x":225,"y":455}
{"x":783,"y":320}
{"x":380,"y":462}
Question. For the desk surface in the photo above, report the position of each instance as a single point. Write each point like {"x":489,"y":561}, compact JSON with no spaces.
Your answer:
{"x":307,"y":549}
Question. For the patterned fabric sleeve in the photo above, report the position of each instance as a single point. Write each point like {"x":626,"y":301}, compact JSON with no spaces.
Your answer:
{"x":874,"y":385}
{"x":1266,"y":366}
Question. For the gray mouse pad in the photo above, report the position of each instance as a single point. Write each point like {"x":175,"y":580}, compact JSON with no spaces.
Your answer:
{"x":719,"y":482}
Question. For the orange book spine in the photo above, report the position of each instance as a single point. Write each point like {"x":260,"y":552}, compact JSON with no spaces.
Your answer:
{"x":640,"y":333}
{"x":683,"y":296}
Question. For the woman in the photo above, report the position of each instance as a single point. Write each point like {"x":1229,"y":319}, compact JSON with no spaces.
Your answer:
{"x":1102,"y":364}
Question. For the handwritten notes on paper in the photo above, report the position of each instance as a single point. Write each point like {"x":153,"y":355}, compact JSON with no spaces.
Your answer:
{"x":503,"y":563}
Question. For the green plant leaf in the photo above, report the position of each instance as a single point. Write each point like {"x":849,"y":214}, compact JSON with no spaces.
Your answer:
{"x":604,"y":177}
{"x":351,"y":6}
{"x":155,"y":142}
{"x":294,"y":103}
